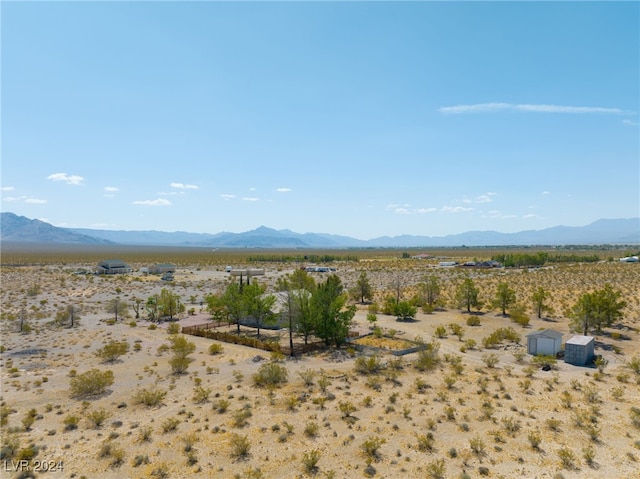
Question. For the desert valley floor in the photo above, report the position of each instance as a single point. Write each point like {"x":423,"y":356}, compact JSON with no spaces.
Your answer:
{"x":467,"y":417}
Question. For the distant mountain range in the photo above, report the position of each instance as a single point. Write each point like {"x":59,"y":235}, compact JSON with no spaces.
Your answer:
{"x":14,"y":228}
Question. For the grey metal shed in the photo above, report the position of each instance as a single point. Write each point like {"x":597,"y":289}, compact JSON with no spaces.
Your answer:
{"x":579,"y":350}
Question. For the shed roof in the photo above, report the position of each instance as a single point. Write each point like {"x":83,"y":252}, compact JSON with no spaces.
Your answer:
{"x":545,"y":333}
{"x":580,"y":340}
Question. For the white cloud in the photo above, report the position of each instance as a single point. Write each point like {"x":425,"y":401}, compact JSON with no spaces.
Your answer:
{"x":426,"y":210}
{"x":283,"y":190}
{"x":485,"y":198}
{"x":7,"y":188}
{"x":630,"y":123}
{"x":68,"y":179}
{"x":111,"y":189}
{"x":26,"y":199}
{"x":402,"y":211}
{"x":537,"y":108}
{"x":455,"y":209}
{"x":531,"y":215}
{"x":250,"y":198}
{"x":227,"y":197}
{"x":183,"y":186}
{"x":158,"y":202}
{"x":545,"y":193}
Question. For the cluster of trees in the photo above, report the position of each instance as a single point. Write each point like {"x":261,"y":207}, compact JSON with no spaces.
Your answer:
{"x":310,"y":309}
{"x":597,"y":309}
{"x":520,"y":260}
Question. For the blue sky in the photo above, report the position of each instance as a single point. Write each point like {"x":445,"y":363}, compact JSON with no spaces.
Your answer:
{"x":356,"y":118}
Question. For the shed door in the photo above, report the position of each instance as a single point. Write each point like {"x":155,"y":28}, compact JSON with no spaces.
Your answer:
{"x":545,"y":346}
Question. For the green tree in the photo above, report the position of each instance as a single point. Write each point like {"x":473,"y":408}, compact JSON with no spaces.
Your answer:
{"x":299,"y":279}
{"x":332,"y":319}
{"x":234,"y":304}
{"x":258,"y":305}
{"x":151,"y":307}
{"x":169,"y":304}
{"x":609,"y":306}
{"x":467,"y":295}
{"x":216,"y":308}
{"x":363,"y":290}
{"x":597,"y":309}
{"x":117,"y":307}
{"x":505,"y":297}
{"x":539,"y":298}
{"x":297,"y":310}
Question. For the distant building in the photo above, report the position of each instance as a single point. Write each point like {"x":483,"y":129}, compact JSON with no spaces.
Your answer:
{"x":544,"y":343}
{"x":112,"y":266}
{"x":161,"y":268}
{"x":579,"y":350}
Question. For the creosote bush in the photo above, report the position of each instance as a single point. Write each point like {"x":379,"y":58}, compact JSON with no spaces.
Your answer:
{"x":271,"y":374}
{"x":91,"y":383}
{"x":113,"y":350}
{"x":150,"y":397}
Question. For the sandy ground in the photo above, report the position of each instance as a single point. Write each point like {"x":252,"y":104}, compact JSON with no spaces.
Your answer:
{"x":498,"y":410}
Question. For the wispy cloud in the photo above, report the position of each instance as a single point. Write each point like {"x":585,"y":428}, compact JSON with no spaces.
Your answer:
{"x":68,"y":179}
{"x":406,"y":209}
{"x":111,"y":189}
{"x":227,"y":197}
{"x":630,"y":123}
{"x":484,"y":198}
{"x":25,"y":199}
{"x":158,"y":202}
{"x":455,"y":209}
{"x":182,"y":186}
{"x":250,"y":198}
{"x":7,"y":188}
{"x":537,"y":108}
{"x":544,"y":193}
{"x":283,"y":190}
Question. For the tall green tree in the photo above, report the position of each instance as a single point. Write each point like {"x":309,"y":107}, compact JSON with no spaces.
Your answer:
{"x":169,"y":304}
{"x":609,"y":306}
{"x":363,"y":290}
{"x":332,"y":317}
{"x":583,"y":313}
{"x":297,"y":287}
{"x":467,"y":295}
{"x":233,"y":301}
{"x":505,"y":297}
{"x":216,"y":308}
{"x":540,"y":297}
{"x":258,"y":305}
{"x":597,"y":309}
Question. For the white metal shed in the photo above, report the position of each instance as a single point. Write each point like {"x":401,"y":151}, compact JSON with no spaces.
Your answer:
{"x":544,"y":343}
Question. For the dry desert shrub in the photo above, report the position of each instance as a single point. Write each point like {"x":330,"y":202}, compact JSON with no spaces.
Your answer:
{"x":149,"y":397}
{"x":91,"y":383}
